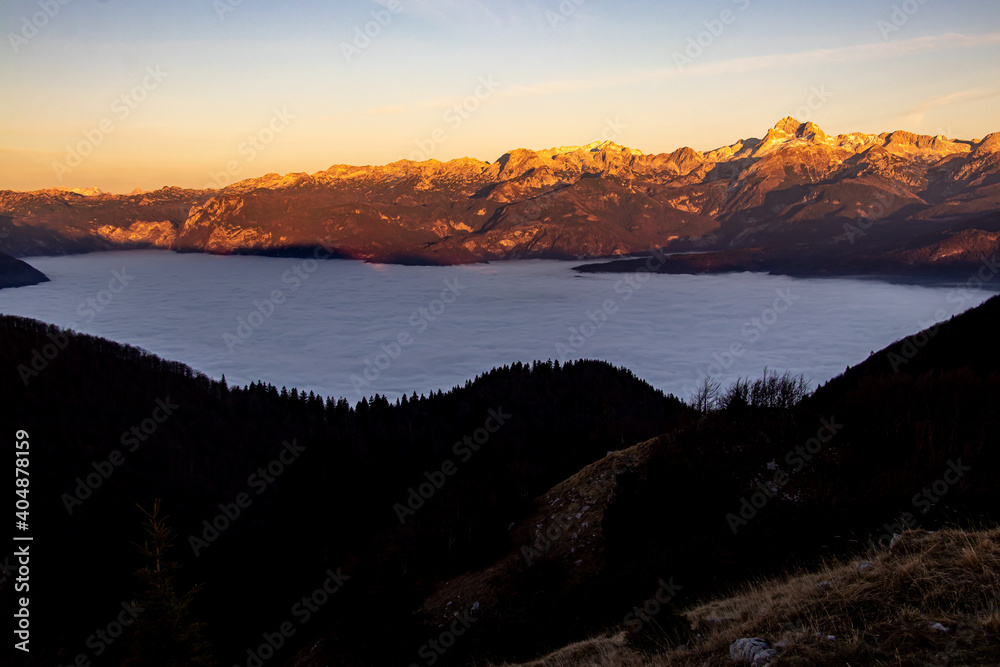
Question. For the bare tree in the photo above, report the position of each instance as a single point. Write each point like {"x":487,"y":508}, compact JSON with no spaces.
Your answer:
{"x":706,"y":396}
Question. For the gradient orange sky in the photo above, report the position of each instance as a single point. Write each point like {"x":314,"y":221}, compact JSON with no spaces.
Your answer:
{"x":200,"y":93}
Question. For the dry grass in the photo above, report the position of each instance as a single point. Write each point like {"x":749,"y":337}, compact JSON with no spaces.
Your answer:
{"x":578,"y":504}
{"x":843,"y":615}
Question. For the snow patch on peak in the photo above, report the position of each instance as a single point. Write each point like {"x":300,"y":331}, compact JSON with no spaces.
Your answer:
{"x":592,"y":147}
{"x":86,"y":192}
{"x":787,"y":125}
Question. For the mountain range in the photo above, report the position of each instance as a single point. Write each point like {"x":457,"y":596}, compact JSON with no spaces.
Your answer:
{"x":891,"y":202}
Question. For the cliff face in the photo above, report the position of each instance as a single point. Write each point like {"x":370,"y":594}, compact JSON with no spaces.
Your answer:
{"x":60,"y":221}
{"x":795,"y":185}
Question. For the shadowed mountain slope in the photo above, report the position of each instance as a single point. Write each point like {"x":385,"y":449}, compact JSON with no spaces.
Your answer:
{"x":851,"y":195}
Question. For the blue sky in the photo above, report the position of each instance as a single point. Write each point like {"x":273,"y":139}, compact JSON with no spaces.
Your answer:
{"x":257,"y":86}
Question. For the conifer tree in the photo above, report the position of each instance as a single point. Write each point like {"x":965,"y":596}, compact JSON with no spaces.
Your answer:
{"x":164,"y":634}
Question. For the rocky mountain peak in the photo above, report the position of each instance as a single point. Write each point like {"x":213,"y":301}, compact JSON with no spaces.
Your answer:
{"x":789,"y":131}
{"x":794,"y":129}
{"x":787,"y":125}
{"x":593,"y":147}
{"x":811,"y":131}
{"x":86,"y":192}
{"x":990,"y":144}
{"x":589,"y":200}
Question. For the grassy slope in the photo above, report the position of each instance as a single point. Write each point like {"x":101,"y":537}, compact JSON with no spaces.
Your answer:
{"x":883,"y":614}
{"x":845,"y":615}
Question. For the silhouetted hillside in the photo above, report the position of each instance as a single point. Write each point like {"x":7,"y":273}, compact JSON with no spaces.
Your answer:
{"x":15,"y":273}
{"x":538,"y":536}
{"x":328,"y":500}
{"x":837,"y":470}
{"x":750,"y":489}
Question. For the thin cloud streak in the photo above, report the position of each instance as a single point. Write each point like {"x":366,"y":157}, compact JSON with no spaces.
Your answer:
{"x":916,"y":115}
{"x":843,"y":55}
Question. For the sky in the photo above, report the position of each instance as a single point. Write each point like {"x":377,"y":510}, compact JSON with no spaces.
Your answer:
{"x":119,"y":94}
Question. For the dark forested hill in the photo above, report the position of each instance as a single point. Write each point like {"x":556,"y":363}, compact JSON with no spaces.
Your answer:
{"x":15,"y":273}
{"x":325,"y":485}
{"x":363,"y":530}
{"x":905,"y":440}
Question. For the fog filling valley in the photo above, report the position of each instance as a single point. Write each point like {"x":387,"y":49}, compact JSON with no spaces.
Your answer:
{"x":349,"y":329}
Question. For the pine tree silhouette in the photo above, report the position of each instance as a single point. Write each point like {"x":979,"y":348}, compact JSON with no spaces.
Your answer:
{"x":164,"y":634}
